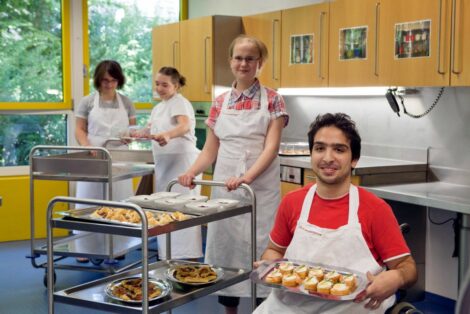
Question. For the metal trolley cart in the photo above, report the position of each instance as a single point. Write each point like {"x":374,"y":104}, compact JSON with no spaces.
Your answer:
{"x":69,"y":163}
{"x":92,"y":294}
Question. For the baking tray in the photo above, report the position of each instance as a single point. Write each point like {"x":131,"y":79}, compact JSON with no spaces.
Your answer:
{"x":84,"y":214}
{"x":259,"y":276}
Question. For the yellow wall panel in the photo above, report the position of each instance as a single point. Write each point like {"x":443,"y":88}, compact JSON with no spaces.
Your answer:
{"x":15,"y":222}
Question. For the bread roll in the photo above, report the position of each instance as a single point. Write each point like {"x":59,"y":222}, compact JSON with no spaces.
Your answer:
{"x":274,"y":276}
{"x":333,"y":276}
{"x":350,"y":281}
{"x":340,"y":289}
{"x":324,"y":286}
{"x":290,"y":280}
{"x":317,"y":272}
{"x":286,"y":268}
{"x":301,"y":271}
{"x":311,"y":283}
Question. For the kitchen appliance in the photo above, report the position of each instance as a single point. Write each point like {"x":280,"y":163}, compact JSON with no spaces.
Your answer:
{"x":201,"y":111}
{"x":292,"y":175}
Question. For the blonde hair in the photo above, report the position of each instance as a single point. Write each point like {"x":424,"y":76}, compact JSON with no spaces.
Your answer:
{"x":263,"y":51}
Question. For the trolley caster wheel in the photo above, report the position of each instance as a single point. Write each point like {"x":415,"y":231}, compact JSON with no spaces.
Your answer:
{"x":404,"y":308}
{"x":96,"y":261}
{"x":45,"y":279}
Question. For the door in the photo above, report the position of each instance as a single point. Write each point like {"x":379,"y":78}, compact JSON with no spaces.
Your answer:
{"x":416,"y":40}
{"x":355,"y":47}
{"x":196,"y":58}
{"x":305,"y":46}
{"x":267,"y":28}
{"x":460,"y":49}
{"x":165,"y":48}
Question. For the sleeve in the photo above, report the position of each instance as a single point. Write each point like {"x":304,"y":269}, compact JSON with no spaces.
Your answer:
{"x":84,"y":107}
{"x":281,"y":233}
{"x":386,"y":236}
{"x":181,"y":107}
{"x":277,"y":106}
{"x":215,"y":111}
{"x":129,"y":105}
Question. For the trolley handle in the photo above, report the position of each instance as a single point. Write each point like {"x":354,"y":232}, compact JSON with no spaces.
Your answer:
{"x":106,"y":152}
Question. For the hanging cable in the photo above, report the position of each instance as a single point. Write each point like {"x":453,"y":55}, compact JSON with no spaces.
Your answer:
{"x":417,"y":116}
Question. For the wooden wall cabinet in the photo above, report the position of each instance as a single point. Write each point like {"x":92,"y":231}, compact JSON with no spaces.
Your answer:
{"x":267,"y":27}
{"x":355,"y":59}
{"x":305,"y":46}
{"x":460,"y":40}
{"x":201,"y":52}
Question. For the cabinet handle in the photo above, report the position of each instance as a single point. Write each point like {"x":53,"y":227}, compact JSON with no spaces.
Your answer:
{"x":377,"y":25}
{"x":205,"y":64}
{"x":439,"y":40}
{"x":320,"y":55}
{"x":174,"y":53}
{"x":274,"y":22}
{"x":454,"y":37}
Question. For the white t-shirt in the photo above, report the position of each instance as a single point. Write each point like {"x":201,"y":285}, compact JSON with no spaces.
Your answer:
{"x":163,"y":118}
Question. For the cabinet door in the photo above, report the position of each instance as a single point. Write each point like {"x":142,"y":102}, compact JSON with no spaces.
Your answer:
{"x":196,"y":58}
{"x":287,"y":187}
{"x":267,"y":28}
{"x":354,"y":49}
{"x":165,"y":48}
{"x":416,"y":40}
{"x":460,"y":50}
{"x":305,"y":46}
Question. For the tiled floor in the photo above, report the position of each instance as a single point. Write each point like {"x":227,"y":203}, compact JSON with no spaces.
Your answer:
{"x":22,"y":290}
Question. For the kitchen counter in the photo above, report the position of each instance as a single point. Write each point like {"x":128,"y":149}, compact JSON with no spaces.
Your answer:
{"x":366,"y":164}
{"x":442,"y":195}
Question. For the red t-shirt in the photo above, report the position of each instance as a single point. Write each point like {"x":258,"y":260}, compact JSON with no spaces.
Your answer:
{"x":379,"y":225}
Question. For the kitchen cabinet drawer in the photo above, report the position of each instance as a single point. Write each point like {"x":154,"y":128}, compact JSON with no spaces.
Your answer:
{"x":309,"y":177}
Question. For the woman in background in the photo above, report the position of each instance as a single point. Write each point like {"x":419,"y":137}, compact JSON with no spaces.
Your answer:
{"x":100,"y":116}
{"x":245,"y":126}
{"x":172,"y":128}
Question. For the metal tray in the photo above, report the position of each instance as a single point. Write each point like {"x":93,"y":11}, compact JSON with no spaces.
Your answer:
{"x":259,"y":276}
{"x":163,"y":285}
{"x":170,"y":273}
{"x":84,"y":214}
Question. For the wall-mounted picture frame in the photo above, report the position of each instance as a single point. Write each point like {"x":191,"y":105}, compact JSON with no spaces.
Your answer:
{"x":413,"y":39}
{"x":301,"y":49}
{"x":353,"y":43}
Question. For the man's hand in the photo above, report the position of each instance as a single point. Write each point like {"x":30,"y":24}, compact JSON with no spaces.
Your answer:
{"x":380,"y":287}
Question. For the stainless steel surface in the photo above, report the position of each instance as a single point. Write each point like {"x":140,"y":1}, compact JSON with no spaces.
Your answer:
{"x":92,"y":295}
{"x":50,"y":241}
{"x":249,"y":190}
{"x":291,"y":174}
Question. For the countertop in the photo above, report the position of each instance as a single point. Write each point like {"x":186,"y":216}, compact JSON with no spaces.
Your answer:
{"x":442,"y":195}
{"x":366,"y":164}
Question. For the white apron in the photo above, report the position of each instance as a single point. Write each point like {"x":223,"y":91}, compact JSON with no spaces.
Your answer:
{"x":342,"y":247}
{"x":185,"y":243}
{"x":242,"y":135}
{"x":104,"y":123}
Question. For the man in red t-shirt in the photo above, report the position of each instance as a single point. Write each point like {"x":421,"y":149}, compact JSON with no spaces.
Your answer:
{"x":338,"y":224}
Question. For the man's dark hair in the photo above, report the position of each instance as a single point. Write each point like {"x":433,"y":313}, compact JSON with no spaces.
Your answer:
{"x":341,"y":121}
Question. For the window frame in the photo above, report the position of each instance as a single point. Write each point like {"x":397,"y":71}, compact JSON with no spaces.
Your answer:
{"x":66,"y":103}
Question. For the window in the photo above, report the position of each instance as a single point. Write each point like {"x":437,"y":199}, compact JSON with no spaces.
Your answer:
{"x":122,"y":30}
{"x":31,"y":58}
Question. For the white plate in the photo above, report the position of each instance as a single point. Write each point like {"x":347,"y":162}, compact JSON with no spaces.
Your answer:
{"x":171,"y":204}
{"x":171,"y":274}
{"x":165,"y":194}
{"x":224,"y":203}
{"x":193,"y":198}
{"x":143,"y":200}
{"x":201,"y":208}
{"x":163,"y":285}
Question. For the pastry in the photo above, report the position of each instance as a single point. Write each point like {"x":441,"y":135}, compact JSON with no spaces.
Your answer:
{"x":317,"y":272}
{"x":291,"y":280}
{"x":311,"y":283}
{"x":333,"y":276}
{"x":340,"y":289}
{"x":301,"y":271}
{"x":350,"y":281}
{"x":324,"y":286}
{"x":275,"y":276}
{"x":286,"y":268}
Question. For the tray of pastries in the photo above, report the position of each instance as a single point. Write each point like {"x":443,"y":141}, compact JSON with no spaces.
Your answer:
{"x":127,"y":217}
{"x":316,"y":280}
{"x":129,"y":289}
{"x":194,"y":274}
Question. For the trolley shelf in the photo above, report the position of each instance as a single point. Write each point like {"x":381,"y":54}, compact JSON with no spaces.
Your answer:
{"x":92,"y":294}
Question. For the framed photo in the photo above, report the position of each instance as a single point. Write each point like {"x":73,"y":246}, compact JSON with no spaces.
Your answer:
{"x":301,"y":49}
{"x":353,"y":43}
{"x":413,"y":39}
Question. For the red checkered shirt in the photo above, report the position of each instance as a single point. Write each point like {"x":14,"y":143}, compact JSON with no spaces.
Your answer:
{"x":249,"y":99}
